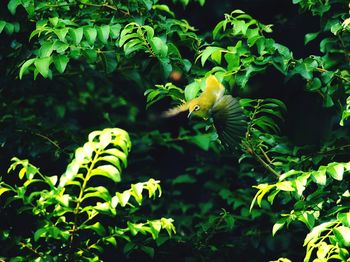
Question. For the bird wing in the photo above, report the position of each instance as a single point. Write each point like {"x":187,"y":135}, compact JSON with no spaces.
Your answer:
{"x":229,"y":121}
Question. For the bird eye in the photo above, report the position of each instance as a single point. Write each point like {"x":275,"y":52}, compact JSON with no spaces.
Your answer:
{"x":196,"y":108}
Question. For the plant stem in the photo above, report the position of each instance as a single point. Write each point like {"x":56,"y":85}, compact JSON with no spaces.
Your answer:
{"x":322,"y":70}
{"x":263,"y":163}
{"x":31,"y":249}
{"x":81,"y":194}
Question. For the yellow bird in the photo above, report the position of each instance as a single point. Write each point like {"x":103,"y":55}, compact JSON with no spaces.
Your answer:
{"x":226,"y":112}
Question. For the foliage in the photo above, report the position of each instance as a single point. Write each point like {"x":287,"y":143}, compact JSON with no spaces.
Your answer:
{"x":77,"y":66}
{"x":70,"y":209}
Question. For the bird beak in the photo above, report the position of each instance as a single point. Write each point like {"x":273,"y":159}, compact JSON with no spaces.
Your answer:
{"x":189,"y":114}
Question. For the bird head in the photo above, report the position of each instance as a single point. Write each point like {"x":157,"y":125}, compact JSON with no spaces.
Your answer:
{"x":198,"y":107}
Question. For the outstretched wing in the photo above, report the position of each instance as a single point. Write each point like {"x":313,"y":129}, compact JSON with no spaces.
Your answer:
{"x":229,"y":121}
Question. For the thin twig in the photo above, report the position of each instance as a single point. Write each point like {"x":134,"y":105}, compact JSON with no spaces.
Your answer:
{"x":322,"y":70}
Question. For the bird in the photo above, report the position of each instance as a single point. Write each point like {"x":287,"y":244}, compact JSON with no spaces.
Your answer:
{"x":225,"y":111}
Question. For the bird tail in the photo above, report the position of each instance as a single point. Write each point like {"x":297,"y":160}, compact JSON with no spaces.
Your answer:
{"x":175,"y":110}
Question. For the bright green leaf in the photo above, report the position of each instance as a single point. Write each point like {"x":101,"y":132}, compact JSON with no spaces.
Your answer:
{"x":61,"y":62}
{"x":43,"y":65}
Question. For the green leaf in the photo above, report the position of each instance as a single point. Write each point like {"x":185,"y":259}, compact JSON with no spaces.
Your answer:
{"x":103,"y":33}
{"x":206,"y":53}
{"x":136,"y":190}
{"x":60,"y":46}
{"x":320,"y":177}
{"x":46,"y":49}
{"x":76,"y":34}
{"x":61,"y":33}
{"x":342,"y":233}
{"x":25,"y":67}
{"x":164,"y":8}
{"x":310,"y":36}
{"x":108,"y":171}
{"x":159,"y":47}
{"x":63,"y":199}
{"x":192,"y":90}
{"x":90,"y":34}
{"x":123,"y":197}
{"x":148,"y":250}
{"x":156,"y":226}
{"x":61,"y":62}
{"x":184,"y":179}
{"x":9,"y":28}
{"x":2,"y":25}
{"x":115,"y":31}
{"x":344,"y":218}
{"x":278,"y":225}
{"x":202,"y":141}
{"x":336,"y":171}
{"x":43,"y":65}
{"x":41,"y":232}
{"x":97,"y":227}
{"x":111,"y":240}
{"x":12,"y":6}
{"x":53,"y":20}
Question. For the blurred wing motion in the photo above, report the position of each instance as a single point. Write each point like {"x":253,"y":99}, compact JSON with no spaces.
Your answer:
{"x":175,"y":110}
{"x":229,"y":121}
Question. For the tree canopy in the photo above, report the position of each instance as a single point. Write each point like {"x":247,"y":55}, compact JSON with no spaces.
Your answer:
{"x":92,"y":171}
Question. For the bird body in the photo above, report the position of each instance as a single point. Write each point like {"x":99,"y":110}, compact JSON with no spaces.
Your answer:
{"x":212,"y":93}
{"x":225,"y":110}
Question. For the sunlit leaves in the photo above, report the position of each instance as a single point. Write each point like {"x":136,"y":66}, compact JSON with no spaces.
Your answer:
{"x":68,"y":206}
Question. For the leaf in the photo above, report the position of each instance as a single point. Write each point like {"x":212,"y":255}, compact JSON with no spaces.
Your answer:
{"x":336,"y":171}
{"x":63,"y":199}
{"x":115,"y":31}
{"x":41,"y":232}
{"x":53,"y":20}
{"x":25,"y":67}
{"x":206,"y":53}
{"x":12,"y":6}
{"x":320,"y":177}
{"x":148,"y":250}
{"x":123,"y":197}
{"x":192,"y":90}
{"x":159,"y":47}
{"x":90,"y":34}
{"x":61,"y":33}
{"x":285,"y":186}
{"x":344,"y":218}
{"x":61,"y":62}
{"x":136,"y":191}
{"x":278,"y":225}
{"x":97,"y":227}
{"x":60,"y":46}
{"x":3,"y":190}
{"x":310,"y":36}
{"x":184,"y":179}
{"x":42,"y":65}
{"x":76,"y":34}
{"x":2,"y":25}
{"x":46,"y":49}
{"x":342,"y":233}
{"x":111,"y":240}
{"x":202,"y":141}
{"x":103,"y":33}
{"x":156,"y":226}
{"x":108,"y":171}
